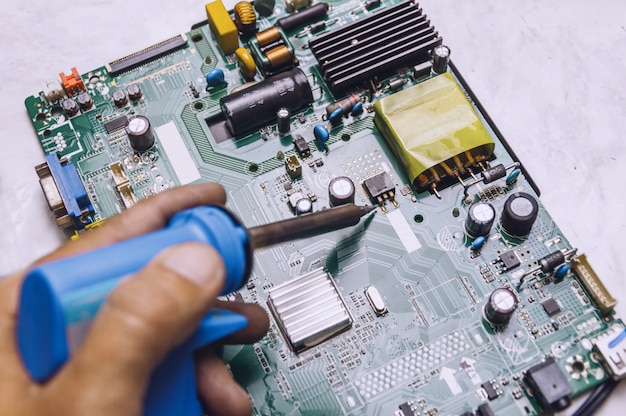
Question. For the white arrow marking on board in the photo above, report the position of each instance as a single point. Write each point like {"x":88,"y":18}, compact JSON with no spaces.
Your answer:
{"x":447,"y":374}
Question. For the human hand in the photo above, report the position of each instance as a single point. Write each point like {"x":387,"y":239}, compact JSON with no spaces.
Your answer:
{"x":144,"y":318}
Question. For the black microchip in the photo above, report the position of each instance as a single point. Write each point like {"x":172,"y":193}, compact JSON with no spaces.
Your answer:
{"x":116,"y":123}
{"x":491,"y":391}
{"x":509,"y":260}
{"x":551,"y":307}
{"x":549,"y":385}
{"x":379,"y":187}
{"x":485,"y":410}
{"x":406,"y":409}
{"x":302,"y":147}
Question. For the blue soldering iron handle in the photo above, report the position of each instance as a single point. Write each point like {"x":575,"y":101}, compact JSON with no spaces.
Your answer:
{"x":59,"y":299}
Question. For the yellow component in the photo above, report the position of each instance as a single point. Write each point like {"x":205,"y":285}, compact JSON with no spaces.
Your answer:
{"x":434,"y":132}
{"x":246,"y":63}
{"x":88,"y":227}
{"x":222,"y":26}
{"x":590,"y":280}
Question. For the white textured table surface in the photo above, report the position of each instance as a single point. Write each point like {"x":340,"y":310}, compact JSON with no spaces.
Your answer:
{"x":552,"y":75}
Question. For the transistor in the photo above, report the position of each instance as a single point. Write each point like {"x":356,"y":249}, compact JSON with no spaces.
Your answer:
{"x":380,"y":188}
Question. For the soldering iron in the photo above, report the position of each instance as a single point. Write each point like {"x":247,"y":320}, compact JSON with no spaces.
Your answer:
{"x":59,"y":299}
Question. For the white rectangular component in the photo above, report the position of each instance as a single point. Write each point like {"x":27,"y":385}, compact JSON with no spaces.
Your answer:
{"x":177,"y":153}
{"x":612,"y":347}
{"x":309,"y":310}
{"x":376,"y":301}
{"x":403,"y":230}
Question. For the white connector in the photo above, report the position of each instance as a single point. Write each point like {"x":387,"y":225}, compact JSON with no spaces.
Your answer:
{"x":612,"y":348}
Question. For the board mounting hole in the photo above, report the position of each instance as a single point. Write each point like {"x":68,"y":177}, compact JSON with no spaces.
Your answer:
{"x":208,"y":60}
{"x":345,"y":137}
{"x":47,"y":133}
{"x":198,"y":105}
{"x":455,"y":212}
{"x":40,"y":117}
{"x":578,"y":367}
{"x":196,"y":37}
{"x":418,"y":218}
{"x":56,"y":111}
{"x":253,"y":167}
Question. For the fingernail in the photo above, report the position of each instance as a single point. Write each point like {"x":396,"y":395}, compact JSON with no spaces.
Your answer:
{"x":198,"y":263}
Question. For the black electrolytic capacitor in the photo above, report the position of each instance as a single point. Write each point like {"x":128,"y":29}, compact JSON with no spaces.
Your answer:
{"x":441,"y":58}
{"x":480,"y":218}
{"x":519,"y":214}
{"x":341,"y":191}
{"x":139,"y":133}
{"x":494,"y":173}
{"x":500,"y":307}
{"x":283,"y":120}
{"x":303,"y":17}
{"x":257,"y":105}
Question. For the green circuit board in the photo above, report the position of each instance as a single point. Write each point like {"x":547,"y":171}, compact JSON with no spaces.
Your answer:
{"x":413,"y":280}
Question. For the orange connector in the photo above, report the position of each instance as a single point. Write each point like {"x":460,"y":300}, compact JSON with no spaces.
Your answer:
{"x":72,"y":83}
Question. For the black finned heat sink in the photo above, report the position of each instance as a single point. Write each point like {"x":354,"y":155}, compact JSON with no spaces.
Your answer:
{"x":397,"y":35}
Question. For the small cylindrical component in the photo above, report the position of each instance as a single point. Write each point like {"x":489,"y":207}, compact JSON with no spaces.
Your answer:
{"x":478,"y":243}
{"x":268,"y":36}
{"x":70,"y":107}
{"x":283,"y":120}
{"x":551,"y":261}
{"x":441,"y":58}
{"x":370,"y":4}
{"x":139,"y":133}
{"x":317,"y":26}
{"x":245,"y":19}
{"x":321,"y":135}
{"x":134,"y":92}
{"x":119,"y":98}
{"x":279,"y":57}
{"x":396,"y":84}
{"x":341,"y":191}
{"x":303,"y":17}
{"x":494,"y":173}
{"x":500,"y":307}
{"x":84,"y":101}
{"x":256,"y":105}
{"x":512,"y":178}
{"x":480,"y":218}
{"x":246,"y":63}
{"x":519,"y":214}
{"x":303,"y":206}
{"x":264,"y":7}
{"x":347,"y":104}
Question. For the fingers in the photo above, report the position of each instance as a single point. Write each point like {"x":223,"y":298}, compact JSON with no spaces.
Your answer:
{"x":220,"y":394}
{"x":144,"y":318}
{"x":148,"y":215}
{"x":258,"y":322}
{"x":10,"y":362}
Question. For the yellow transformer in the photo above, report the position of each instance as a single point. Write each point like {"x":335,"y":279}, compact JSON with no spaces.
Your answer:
{"x":434,"y":132}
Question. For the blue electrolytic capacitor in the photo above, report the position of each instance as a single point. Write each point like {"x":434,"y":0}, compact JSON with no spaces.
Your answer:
{"x":478,"y":243}
{"x":321,"y":135}
{"x":561,"y":271}
{"x":215,"y":78}
{"x":357,"y":109}
{"x":335,"y":116}
{"x":512,"y":178}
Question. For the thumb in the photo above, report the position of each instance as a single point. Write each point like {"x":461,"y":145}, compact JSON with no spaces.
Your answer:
{"x":145,"y":317}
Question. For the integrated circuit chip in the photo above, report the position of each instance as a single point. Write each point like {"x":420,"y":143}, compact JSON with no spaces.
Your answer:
{"x":309,"y":310}
{"x":116,"y":123}
{"x":380,"y":187}
{"x":302,"y":147}
{"x":551,"y":307}
{"x":509,"y":260}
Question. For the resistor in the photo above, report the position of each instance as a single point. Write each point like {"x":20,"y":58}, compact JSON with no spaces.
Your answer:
{"x":347,"y":104}
{"x":245,"y":19}
{"x":317,"y":27}
{"x":396,"y":84}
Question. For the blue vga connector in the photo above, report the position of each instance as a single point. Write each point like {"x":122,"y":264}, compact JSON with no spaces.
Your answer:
{"x":66,"y":195}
